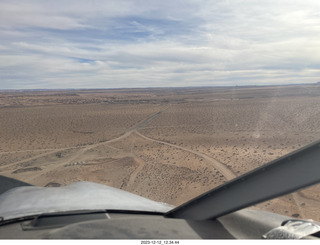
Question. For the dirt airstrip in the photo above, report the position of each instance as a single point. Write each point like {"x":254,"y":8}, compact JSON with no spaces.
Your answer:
{"x":166,"y":144}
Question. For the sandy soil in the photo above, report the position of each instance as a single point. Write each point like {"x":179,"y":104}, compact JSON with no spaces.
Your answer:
{"x":168,"y":145}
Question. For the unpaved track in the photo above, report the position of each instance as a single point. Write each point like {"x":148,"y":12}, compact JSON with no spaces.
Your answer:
{"x":24,"y":151}
{"x":28,"y":159}
{"x":82,"y":149}
{"x":136,"y":171}
{"x":225,"y":171}
{"x":218,"y":165}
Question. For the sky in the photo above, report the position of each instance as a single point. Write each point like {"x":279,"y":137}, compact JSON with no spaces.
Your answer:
{"x":74,"y":44}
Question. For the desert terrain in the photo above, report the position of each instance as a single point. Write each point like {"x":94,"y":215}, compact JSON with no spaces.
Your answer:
{"x":166,"y":144}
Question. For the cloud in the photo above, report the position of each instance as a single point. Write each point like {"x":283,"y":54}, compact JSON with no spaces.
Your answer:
{"x":54,"y":44}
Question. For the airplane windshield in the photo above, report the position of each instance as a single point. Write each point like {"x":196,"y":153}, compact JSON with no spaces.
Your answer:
{"x":163,"y":99}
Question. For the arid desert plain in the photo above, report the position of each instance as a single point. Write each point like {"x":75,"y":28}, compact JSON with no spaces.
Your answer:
{"x":166,"y":144}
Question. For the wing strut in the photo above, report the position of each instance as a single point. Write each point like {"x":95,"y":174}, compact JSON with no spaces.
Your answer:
{"x":282,"y":176}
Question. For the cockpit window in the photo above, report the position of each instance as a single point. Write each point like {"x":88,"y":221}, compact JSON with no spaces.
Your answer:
{"x":162,"y":99}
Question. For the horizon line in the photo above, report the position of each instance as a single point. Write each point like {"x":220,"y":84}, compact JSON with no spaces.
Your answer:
{"x":164,"y":87}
